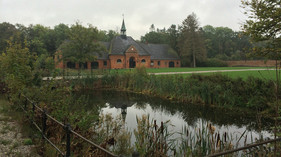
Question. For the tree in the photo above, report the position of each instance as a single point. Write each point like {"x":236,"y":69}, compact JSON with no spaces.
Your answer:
{"x":173,"y":33}
{"x":81,"y":45}
{"x":264,"y":25}
{"x":16,"y":67}
{"x":191,"y":43}
{"x":7,"y":30}
{"x":62,"y":34}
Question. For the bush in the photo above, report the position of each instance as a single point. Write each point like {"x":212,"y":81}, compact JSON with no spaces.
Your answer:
{"x":213,"y":62}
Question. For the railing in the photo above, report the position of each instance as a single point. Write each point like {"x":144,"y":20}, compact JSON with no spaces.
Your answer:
{"x":246,"y":147}
{"x":68,"y":131}
{"x":67,"y":128}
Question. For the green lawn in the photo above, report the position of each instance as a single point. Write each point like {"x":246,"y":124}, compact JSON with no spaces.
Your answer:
{"x":270,"y":74}
{"x":267,"y":74}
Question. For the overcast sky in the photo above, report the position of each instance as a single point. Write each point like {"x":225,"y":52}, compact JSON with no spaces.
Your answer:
{"x":107,"y":14}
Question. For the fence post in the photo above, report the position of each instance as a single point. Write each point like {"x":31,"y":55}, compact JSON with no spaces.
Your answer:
{"x":33,"y":110}
{"x":44,"y":119}
{"x":25,"y":103}
{"x":67,"y":130}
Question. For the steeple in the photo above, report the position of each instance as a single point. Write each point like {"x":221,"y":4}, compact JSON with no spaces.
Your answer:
{"x":123,"y":28}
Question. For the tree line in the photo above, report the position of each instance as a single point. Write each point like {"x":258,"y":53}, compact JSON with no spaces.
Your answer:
{"x":195,"y":44}
{"x":45,"y":40}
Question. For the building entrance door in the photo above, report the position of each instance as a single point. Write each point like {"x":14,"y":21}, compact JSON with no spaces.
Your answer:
{"x":132,"y":62}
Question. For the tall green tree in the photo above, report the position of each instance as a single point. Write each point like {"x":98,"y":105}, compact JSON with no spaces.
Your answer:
{"x":81,"y":45}
{"x":158,"y":37}
{"x":7,"y":30}
{"x":191,"y":43}
{"x":16,"y":67}
{"x":264,"y":25}
{"x":173,"y":33}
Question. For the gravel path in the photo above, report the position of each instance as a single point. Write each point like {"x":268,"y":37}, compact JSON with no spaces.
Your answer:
{"x":209,"y":71}
{"x":12,"y":143}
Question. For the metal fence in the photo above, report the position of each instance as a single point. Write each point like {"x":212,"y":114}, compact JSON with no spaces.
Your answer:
{"x":246,"y":147}
{"x":69,"y":131}
{"x":67,"y":128}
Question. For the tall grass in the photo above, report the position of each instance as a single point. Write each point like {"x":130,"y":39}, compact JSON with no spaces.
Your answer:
{"x":218,"y":90}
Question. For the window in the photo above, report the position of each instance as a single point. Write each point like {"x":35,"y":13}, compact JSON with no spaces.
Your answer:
{"x":152,"y":63}
{"x":105,"y":63}
{"x":159,"y":63}
{"x":177,"y":62}
{"x":143,"y":60}
{"x":119,"y":61}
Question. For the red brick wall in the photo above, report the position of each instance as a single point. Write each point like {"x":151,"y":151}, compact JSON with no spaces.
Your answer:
{"x":144,"y":64}
{"x":58,"y":64}
{"x":114,"y":64}
{"x":252,"y":63}
{"x":164,"y":63}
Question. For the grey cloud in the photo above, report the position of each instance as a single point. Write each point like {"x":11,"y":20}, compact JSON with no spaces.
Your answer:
{"x":107,"y":14}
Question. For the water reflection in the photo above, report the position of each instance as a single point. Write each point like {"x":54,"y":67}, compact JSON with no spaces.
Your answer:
{"x":131,"y":105}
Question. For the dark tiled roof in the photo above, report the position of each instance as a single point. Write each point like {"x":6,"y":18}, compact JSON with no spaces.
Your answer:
{"x":103,"y":55}
{"x":160,"y":51}
{"x":119,"y":45}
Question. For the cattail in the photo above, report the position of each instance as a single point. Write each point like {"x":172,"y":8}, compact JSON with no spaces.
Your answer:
{"x":162,"y":128}
{"x":155,"y":125}
{"x":218,"y":140}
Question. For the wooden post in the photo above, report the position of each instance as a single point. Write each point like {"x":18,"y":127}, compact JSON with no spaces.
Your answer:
{"x":44,"y":120}
{"x":67,"y":131}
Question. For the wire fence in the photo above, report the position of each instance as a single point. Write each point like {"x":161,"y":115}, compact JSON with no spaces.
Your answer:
{"x":69,"y":131}
{"x":66,"y":127}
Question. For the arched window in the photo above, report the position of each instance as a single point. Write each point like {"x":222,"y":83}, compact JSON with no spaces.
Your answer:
{"x":143,"y":60}
{"x":119,"y":61}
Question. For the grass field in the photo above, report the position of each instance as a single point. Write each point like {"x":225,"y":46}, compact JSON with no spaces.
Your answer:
{"x":266,"y":74}
{"x":270,"y":74}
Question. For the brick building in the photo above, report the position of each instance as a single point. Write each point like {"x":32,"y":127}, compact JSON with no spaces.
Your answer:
{"x":124,"y":52}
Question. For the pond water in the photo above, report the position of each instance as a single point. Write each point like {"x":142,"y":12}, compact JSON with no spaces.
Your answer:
{"x":179,"y":114}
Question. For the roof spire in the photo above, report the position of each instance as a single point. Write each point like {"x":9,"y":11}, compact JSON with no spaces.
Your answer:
{"x":123,"y":28}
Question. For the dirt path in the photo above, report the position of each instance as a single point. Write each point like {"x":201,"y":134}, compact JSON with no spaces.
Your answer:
{"x":12,"y":143}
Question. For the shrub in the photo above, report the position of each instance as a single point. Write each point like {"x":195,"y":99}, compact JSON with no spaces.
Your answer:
{"x":213,"y":62}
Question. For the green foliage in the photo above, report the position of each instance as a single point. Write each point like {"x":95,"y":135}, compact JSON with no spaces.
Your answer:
{"x":151,"y":139}
{"x":263,"y":26}
{"x":216,"y":89}
{"x":109,"y":129}
{"x":81,"y":44}
{"x":45,"y":64}
{"x":7,"y":30}
{"x":27,"y":141}
{"x":191,"y":43}
{"x":16,"y":67}
{"x":212,"y":62}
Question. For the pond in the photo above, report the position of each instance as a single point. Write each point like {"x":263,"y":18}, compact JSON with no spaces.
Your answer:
{"x":179,"y":114}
